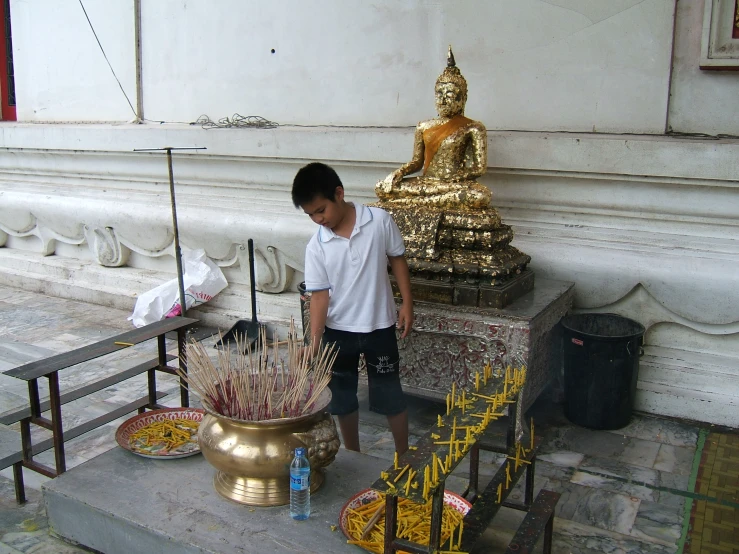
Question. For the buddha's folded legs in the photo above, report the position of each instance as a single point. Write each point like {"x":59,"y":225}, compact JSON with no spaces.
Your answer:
{"x":431,"y":193}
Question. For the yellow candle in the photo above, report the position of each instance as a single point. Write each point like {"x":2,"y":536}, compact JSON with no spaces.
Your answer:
{"x":454,"y":389}
{"x":435,"y":465}
{"x":395,"y":461}
{"x":507,"y":474}
{"x":500,"y":492}
{"x":518,"y":449}
{"x":463,"y":401}
{"x":532,"y":433}
{"x":477,"y":380}
{"x":438,"y":421}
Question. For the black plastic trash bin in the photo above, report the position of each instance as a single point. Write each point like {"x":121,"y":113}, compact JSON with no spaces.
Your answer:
{"x":601,"y":367}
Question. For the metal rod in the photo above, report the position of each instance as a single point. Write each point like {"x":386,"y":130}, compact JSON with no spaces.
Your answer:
{"x":511,"y":433}
{"x":529,"y":493}
{"x":26,"y":440}
{"x":182,"y":356}
{"x":391,"y":523}
{"x":177,"y":251}
{"x":137,"y":46}
{"x":33,"y":398}
{"x":548,"y":530}
{"x":474,"y":483}
{"x":437,"y":513}
{"x":56,"y":418}
{"x":20,"y":489}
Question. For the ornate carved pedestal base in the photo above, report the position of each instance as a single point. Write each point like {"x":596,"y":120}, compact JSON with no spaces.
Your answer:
{"x":463,"y":294}
{"x":451,"y":343}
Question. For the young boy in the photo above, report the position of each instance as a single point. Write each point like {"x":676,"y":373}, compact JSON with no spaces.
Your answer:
{"x":352,"y":302}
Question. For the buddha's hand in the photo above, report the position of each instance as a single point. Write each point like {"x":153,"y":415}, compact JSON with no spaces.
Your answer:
{"x":388,"y":183}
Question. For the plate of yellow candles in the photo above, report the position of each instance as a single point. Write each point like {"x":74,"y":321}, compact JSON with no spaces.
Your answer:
{"x":168,"y":433}
{"x":362,"y":519}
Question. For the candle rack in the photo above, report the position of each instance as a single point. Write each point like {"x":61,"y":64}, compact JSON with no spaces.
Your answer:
{"x":420,"y":474}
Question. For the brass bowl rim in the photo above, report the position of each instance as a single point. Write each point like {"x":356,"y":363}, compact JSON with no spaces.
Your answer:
{"x":320,"y":407}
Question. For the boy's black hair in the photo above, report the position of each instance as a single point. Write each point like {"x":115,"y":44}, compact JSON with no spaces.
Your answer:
{"x":315,"y":179}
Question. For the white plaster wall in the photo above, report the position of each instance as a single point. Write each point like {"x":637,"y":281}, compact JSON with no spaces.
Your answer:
{"x":60,"y":72}
{"x":572,"y":65}
{"x":701,"y":101}
{"x":575,"y":65}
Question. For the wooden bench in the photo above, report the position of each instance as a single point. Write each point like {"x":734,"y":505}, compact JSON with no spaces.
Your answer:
{"x":49,"y":368}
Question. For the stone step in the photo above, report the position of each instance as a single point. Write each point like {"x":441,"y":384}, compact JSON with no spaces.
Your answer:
{"x":119,"y":287}
{"x":120,"y":503}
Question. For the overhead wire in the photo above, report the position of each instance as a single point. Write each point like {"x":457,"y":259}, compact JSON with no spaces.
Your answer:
{"x":107,"y":60}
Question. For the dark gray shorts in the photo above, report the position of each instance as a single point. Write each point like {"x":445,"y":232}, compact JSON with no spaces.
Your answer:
{"x":380,"y":349}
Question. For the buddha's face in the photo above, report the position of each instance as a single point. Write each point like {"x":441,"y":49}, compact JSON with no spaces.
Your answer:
{"x":450,"y":100}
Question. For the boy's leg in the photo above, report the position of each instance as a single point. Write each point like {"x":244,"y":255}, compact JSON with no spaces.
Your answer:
{"x":343,"y":385}
{"x":399,"y":428}
{"x":385,"y":392}
{"x":349,"y":425}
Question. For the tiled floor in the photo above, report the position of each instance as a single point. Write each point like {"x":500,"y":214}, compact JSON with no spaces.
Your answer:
{"x":622,"y":491}
{"x":714,"y":515}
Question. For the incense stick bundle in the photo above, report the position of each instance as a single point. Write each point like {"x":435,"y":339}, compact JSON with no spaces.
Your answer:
{"x":254,"y":386}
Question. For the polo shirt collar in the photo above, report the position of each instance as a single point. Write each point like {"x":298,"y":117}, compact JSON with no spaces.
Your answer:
{"x":364,"y":216}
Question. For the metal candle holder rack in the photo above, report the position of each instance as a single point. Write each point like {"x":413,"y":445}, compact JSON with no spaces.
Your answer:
{"x":420,"y":474}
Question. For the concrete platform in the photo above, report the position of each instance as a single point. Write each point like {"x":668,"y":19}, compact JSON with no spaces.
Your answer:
{"x":120,"y":503}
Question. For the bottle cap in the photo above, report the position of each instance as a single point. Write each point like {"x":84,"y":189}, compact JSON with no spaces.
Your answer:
{"x":300,"y":451}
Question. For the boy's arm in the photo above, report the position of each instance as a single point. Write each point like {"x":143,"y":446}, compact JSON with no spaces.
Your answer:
{"x":403,"y":278}
{"x":318,"y":312}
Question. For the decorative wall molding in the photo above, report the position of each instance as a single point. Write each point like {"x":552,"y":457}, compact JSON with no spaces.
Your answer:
{"x":105,"y":246}
{"x":645,"y":226}
{"x":640,"y":305}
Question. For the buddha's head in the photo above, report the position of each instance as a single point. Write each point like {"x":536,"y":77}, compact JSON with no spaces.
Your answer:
{"x":451,"y":89}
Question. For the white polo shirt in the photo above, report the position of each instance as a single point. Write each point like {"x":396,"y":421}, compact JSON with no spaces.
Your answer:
{"x":354,"y":271}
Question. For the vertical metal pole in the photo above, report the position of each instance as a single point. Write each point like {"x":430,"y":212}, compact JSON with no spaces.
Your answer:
{"x":20,"y":489}
{"x":177,"y":251}
{"x":437,"y":511}
{"x":548,"y":530}
{"x":474,"y":483}
{"x":529,"y":493}
{"x":33,"y":398}
{"x":56,"y":422}
{"x":391,"y":522}
{"x":137,"y":47}
{"x":511,"y":434}
{"x":26,"y":443}
{"x":182,"y":355}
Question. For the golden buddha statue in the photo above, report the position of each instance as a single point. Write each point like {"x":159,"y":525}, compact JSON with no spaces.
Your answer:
{"x":451,"y":229}
{"x":451,"y":149}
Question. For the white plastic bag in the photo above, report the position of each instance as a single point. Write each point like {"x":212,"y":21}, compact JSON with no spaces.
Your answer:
{"x":203,"y":280}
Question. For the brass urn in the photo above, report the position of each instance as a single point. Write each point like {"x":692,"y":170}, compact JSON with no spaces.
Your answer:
{"x":252,"y":458}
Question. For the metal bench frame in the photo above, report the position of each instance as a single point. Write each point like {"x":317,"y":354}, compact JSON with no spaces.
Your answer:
{"x":49,"y":368}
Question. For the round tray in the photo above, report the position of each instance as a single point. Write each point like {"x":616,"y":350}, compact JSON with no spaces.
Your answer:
{"x":130,"y":426}
{"x":368,"y":495}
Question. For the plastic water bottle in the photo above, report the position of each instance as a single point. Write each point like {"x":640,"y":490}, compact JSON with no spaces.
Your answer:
{"x":300,"y":485}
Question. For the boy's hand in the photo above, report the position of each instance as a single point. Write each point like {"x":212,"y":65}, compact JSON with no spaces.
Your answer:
{"x":405,"y":319}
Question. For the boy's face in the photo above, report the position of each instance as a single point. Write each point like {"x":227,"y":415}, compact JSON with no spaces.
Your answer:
{"x":326,"y":212}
